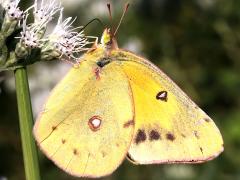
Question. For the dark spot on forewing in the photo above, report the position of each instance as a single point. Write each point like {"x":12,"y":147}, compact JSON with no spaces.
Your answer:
{"x":63,"y":141}
{"x":170,"y":136}
{"x":201,"y":149}
{"x":54,"y":128}
{"x":183,"y":135}
{"x":162,"y":95}
{"x":207,"y":119}
{"x":75,"y":152}
{"x":141,"y":136}
{"x":103,"y":154}
{"x":154,"y":135}
{"x":196,"y":134}
{"x":128,"y":123}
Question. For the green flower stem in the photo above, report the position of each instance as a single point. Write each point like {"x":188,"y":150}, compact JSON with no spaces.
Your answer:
{"x":3,"y":55}
{"x":30,"y":156}
{"x":3,"y":50}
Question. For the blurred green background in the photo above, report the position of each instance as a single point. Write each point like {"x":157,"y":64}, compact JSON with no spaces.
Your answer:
{"x":197,"y":43}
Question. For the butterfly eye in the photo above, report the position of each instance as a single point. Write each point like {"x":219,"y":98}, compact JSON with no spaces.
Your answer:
{"x":94,"y":123}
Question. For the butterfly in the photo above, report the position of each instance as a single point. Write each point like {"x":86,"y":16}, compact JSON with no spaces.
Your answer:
{"x":116,"y":104}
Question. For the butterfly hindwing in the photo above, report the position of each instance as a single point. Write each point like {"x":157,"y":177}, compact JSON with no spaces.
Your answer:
{"x":87,"y":125}
{"x":169,"y":127}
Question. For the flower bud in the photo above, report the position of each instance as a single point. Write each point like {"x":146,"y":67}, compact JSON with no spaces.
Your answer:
{"x":12,"y":17}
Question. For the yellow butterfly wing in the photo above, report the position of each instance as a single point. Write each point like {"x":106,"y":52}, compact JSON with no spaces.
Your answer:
{"x":169,"y":127}
{"x":87,"y":125}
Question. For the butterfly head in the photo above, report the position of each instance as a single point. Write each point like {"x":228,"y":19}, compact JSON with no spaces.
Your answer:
{"x":106,"y":37}
{"x":107,"y":40}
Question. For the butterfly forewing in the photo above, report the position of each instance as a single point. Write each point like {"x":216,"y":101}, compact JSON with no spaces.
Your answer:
{"x":86,"y":126}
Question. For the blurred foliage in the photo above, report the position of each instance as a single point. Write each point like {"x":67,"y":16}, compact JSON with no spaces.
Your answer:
{"x":197,"y":43}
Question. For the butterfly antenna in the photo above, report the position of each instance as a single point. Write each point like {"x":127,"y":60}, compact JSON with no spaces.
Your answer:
{"x":110,"y":15}
{"x":95,"y":19}
{"x":123,"y":14}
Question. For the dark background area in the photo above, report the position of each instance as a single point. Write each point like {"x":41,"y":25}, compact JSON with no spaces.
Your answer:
{"x":197,"y":43}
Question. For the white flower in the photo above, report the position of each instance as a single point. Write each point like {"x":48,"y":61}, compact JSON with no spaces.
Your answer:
{"x":32,"y":34}
{"x":29,"y":35}
{"x":12,"y":9}
{"x":67,"y":40}
{"x":44,"y":11}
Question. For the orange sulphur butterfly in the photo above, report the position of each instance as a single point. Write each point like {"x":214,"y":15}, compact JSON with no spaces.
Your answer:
{"x":116,"y":104}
